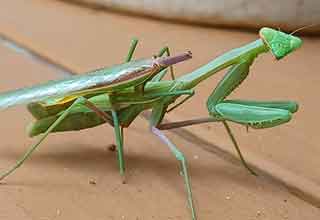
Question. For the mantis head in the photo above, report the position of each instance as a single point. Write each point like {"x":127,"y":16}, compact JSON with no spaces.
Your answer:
{"x":279,"y":43}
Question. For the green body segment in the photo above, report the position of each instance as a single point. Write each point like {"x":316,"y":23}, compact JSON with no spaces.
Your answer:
{"x":128,"y":105}
{"x":227,"y":59}
{"x":73,"y":122}
{"x":107,"y":80}
{"x":239,"y":59}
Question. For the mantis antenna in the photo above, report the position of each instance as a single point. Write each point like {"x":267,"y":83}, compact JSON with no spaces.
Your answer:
{"x":304,"y":27}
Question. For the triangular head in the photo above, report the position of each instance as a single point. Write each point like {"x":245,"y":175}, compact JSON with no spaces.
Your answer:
{"x":279,"y":43}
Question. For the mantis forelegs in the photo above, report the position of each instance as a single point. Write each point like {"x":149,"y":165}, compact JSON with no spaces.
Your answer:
{"x":255,"y":114}
{"x":252,"y":115}
{"x":233,"y":78}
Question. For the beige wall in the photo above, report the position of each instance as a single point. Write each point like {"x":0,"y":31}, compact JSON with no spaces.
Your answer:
{"x":285,"y":14}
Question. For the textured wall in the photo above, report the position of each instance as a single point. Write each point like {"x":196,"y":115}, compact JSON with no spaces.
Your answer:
{"x":286,"y":14}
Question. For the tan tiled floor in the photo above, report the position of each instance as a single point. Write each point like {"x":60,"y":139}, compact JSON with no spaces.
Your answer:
{"x":84,"y":39}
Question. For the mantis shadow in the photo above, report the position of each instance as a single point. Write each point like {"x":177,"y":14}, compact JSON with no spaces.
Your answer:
{"x":140,"y":167}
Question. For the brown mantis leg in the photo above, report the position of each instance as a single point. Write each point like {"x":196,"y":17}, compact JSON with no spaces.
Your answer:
{"x":180,"y":157}
{"x":167,"y":126}
{"x":179,"y":124}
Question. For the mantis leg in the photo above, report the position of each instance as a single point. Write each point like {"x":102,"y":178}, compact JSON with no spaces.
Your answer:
{"x":161,"y":74}
{"x":180,"y":124}
{"x":119,"y":142}
{"x":166,"y":50}
{"x":181,"y":102}
{"x":234,"y":77}
{"x":290,"y":106}
{"x":117,"y":130}
{"x":34,"y":147}
{"x":180,"y":157}
{"x":132,"y":48}
{"x":253,"y":116}
{"x":235,"y":144}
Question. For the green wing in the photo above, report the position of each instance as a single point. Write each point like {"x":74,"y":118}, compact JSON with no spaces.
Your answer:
{"x":98,"y":81}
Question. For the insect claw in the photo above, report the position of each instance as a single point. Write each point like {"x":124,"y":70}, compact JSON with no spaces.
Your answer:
{"x":123,"y":179}
{"x":112,"y":147}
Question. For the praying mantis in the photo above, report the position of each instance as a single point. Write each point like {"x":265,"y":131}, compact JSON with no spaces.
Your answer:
{"x":118,"y":94}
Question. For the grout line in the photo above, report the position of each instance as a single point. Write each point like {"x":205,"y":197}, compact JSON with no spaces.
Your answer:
{"x":34,"y":55}
{"x":300,"y":186}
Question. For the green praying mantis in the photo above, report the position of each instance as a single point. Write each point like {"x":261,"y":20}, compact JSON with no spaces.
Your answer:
{"x":117,"y":95}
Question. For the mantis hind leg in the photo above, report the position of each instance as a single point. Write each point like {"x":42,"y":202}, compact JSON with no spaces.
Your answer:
{"x":180,"y":157}
{"x":119,"y":141}
{"x":165,"y":50}
{"x":35,"y":146}
{"x":117,"y":130}
{"x":132,"y":48}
